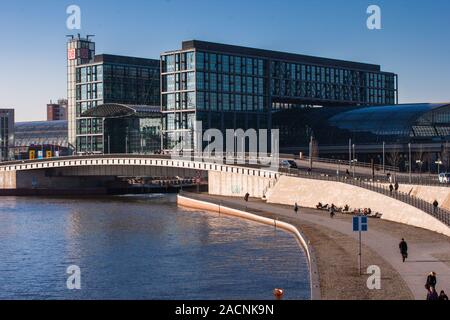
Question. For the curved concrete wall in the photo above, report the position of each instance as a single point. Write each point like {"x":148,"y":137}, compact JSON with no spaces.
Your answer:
{"x":308,"y":192}
{"x":429,"y":193}
{"x":203,"y":205}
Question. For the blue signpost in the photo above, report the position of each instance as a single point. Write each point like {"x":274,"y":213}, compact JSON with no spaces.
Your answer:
{"x":360,"y":224}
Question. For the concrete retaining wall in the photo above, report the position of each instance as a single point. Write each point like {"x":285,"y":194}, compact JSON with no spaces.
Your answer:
{"x":308,"y":192}
{"x":314,"y":275}
{"x":237,"y":184}
{"x":7,"y":180}
{"x":429,"y":193}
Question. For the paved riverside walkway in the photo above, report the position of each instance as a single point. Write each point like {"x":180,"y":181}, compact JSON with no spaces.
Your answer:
{"x":336,"y":247}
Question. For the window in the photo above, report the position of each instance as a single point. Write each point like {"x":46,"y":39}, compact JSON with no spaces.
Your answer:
{"x":169,"y":83}
{"x":225,"y":64}
{"x":213,"y":82}
{"x":237,"y":82}
{"x":190,"y":80}
{"x":170,"y":101}
{"x":191,"y":100}
{"x":200,"y":100}
{"x":213,"y":101}
{"x":200,"y":61}
{"x":99,"y":73}
{"x":237,"y":65}
{"x":226,"y":83}
{"x":169,"y":63}
{"x":226,"y":101}
{"x":200,"y":81}
{"x":212,"y":62}
{"x":190,"y":65}
{"x":83,"y":75}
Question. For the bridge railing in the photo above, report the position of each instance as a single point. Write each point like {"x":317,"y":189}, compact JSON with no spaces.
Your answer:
{"x":439,"y":213}
{"x":377,"y":167}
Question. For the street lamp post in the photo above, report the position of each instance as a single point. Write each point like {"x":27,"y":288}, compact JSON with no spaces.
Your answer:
{"x":339,"y":168}
{"x":438,"y":162}
{"x":354,"y":161}
{"x":420,"y":162}
{"x":409,"y":149}
{"x":350,"y":153}
{"x":384,"y":152}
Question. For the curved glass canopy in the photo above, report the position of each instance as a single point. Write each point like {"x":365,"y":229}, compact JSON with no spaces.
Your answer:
{"x":407,"y":120}
{"x":116,"y":110}
{"x":41,"y":133}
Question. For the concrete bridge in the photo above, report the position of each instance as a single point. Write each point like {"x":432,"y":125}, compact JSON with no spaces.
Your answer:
{"x":84,"y":172}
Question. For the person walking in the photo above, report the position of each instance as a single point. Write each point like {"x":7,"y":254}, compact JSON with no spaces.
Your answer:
{"x":332,"y":211}
{"x":396,"y":186}
{"x":432,"y":294}
{"x":443,"y":296}
{"x":403,"y":249}
{"x":296,"y":208}
{"x":391,"y":188}
{"x":431,"y":281}
{"x":435,"y":206}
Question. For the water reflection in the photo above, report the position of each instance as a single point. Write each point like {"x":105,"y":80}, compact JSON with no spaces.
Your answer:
{"x":143,"y":248}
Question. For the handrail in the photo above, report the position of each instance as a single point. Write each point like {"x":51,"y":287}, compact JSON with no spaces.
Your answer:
{"x":441,"y":214}
{"x":377,"y":167}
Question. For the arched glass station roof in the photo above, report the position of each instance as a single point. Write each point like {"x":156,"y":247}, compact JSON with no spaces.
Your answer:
{"x":41,"y":133}
{"x":116,"y":110}
{"x":407,"y":120}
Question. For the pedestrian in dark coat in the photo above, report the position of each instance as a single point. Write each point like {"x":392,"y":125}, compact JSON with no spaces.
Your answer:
{"x":403,"y":249}
{"x":432,"y":294}
{"x":296,"y":208}
{"x":431,"y":281}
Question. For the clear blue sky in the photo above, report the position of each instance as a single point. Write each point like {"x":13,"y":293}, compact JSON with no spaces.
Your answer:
{"x":414,"y":41}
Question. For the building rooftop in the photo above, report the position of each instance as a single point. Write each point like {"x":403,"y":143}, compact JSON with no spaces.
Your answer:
{"x":109,"y":58}
{"x":276,"y":55}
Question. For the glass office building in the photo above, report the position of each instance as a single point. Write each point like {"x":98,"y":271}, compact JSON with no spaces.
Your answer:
{"x":129,"y":128}
{"x":230,"y":87}
{"x":6,"y":134}
{"x":101,"y":79}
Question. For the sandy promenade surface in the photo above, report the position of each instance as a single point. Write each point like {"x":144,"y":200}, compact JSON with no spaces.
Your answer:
{"x":336,"y":249}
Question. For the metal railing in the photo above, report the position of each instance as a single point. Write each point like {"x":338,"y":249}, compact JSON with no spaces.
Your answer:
{"x":379,"y":187}
{"x":377,"y":167}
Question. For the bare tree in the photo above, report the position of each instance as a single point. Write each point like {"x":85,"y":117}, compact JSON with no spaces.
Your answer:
{"x":315,"y":149}
{"x":393,"y":157}
{"x":419,"y":156}
{"x":445,"y":154}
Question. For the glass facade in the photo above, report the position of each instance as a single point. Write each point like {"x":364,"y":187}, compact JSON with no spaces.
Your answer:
{"x":128,"y":128}
{"x":79,"y":51}
{"x":6,"y":134}
{"x":106,"y":79}
{"x":228,"y":87}
{"x":132,"y":135}
{"x":312,"y":82}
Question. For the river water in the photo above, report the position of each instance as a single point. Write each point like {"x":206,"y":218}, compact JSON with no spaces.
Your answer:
{"x":141,"y":247}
